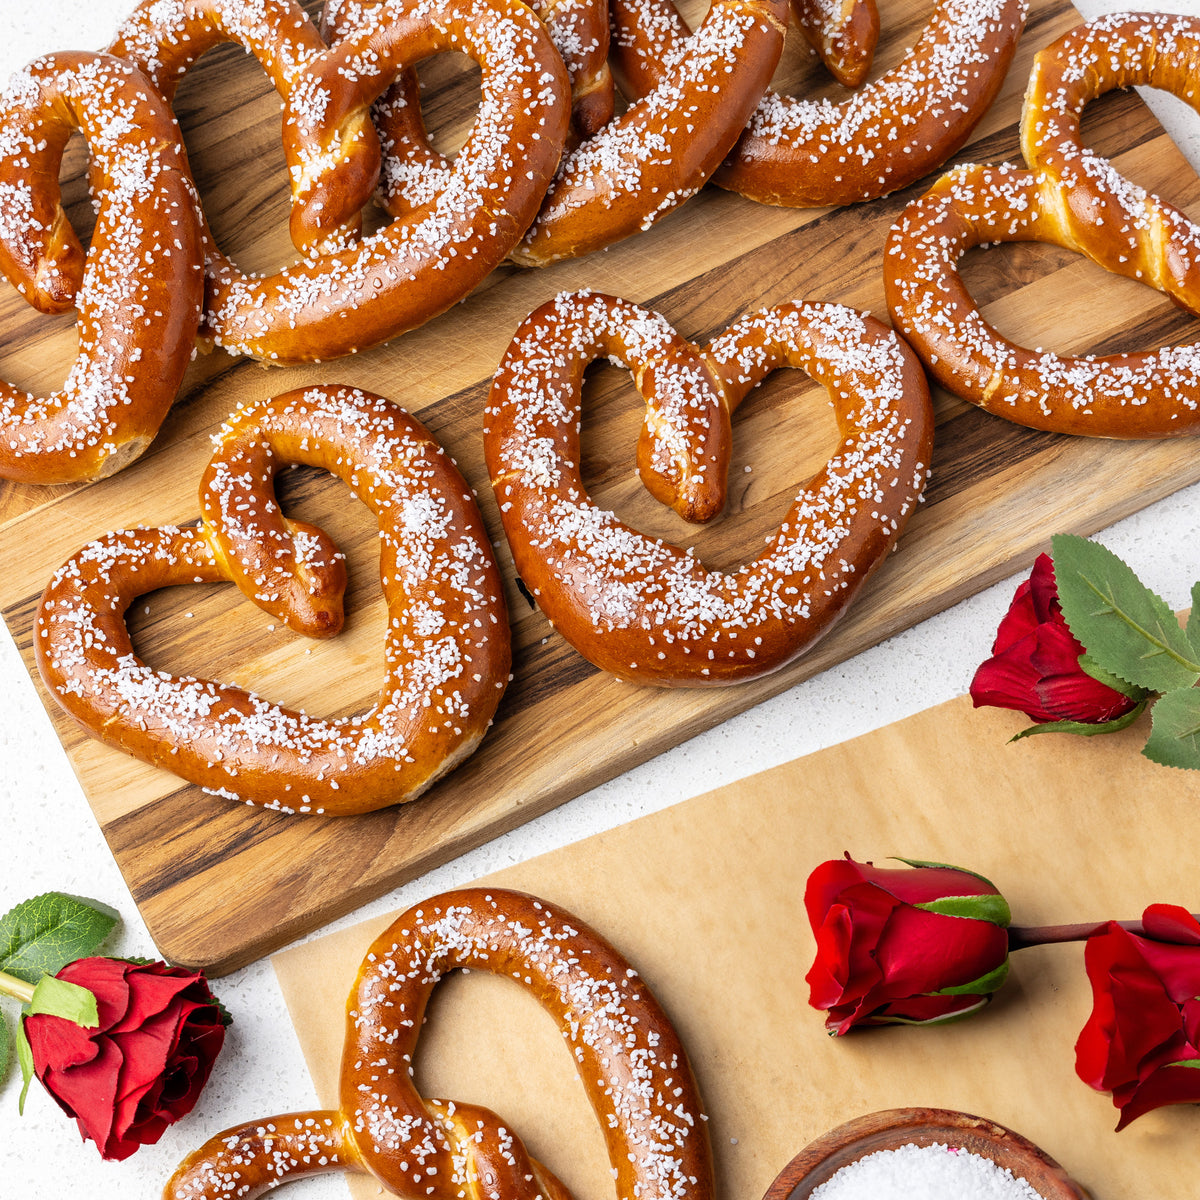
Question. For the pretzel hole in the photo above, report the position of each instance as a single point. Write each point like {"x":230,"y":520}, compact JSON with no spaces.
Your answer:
{"x":1043,"y":296}
{"x":238,"y":165}
{"x":784,"y":432}
{"x":330,"y":677}
{"x":482,"y":1033}
{"x":450,"y":90}
{"x":37,"y":345}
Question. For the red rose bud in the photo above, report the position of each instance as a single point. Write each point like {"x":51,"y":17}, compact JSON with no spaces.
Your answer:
{"x":1034,"y":666}
{"x":143,"y":1067}
{"x":918,"y":945}
{"x":1142,"y":1040}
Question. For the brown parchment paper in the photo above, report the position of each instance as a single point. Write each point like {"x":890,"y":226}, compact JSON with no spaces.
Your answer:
{"x":706,"y":899}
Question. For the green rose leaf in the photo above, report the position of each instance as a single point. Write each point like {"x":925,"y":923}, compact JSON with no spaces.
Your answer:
{"x":983,"y":986}
{"x":5,"y":1047}
{"x":25,"y":1058}
{"x":919,"y":862}
{"x":42,"y":935}
{"x":991,"y":908}
{"x":1084,"y":728}
{"x":1127,"y":629}
{"x":1193,"y":621}
{"x":58,"y":998}
{"x":1175,"y":730}
{"x":1194,"y":1063}
{"x":1090,"y":667}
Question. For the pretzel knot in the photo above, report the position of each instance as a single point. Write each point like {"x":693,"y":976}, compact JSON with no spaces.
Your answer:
{"x":811,"y":153}
{"x":649,"y":611}
{"x":140,"y":288}
{"x":340,"y":298}
{"x":628,"y":1057}
{"x":447,"y":644}
{"x":1074,"y":199}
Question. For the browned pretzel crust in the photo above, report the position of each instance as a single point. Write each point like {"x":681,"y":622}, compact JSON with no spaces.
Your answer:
{"x":139,"y":292}
{"x":649,"y":611}
{"x":446,"y":651}
{"x":627,"y":1054}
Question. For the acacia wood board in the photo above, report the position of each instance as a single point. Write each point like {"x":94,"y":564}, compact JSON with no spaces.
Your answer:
{"x":221,"y":884}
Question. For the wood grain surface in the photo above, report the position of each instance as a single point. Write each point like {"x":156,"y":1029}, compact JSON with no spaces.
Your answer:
{"x":220,"y":884}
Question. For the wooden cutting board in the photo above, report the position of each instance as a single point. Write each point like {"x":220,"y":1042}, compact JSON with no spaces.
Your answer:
{"x":221,"y":884}
{"x":706,"y":900}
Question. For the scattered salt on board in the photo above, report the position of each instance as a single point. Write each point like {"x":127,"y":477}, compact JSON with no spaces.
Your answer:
{"x":936,"y":1172}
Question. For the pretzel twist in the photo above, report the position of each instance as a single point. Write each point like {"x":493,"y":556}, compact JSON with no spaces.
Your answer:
{"x":1111,"y":220}
{"x":413,"y":172}
{"x":666,"y":145}
{"x":811,"y":153}
{"x":139,"y":290}
{"x":627,"y":1054}
{"x":446,"y":650}
{"x":651,"y":612}
{"x":331,"y":147}
{"x":344,"y":300}
{"x":1075,"y":199}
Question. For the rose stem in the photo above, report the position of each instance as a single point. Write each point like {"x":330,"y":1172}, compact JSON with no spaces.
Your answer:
{"x":1022,"y":936}
{"x":10,"y":985}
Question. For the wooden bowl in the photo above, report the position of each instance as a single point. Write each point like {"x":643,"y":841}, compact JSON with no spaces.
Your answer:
{"x":922,"y":1127}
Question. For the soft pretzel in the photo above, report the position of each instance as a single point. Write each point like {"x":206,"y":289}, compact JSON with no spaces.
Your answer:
{"x":648,"y":611}
{"x":413,"y":172}
{"x":447,"y":645}
{"x":1148,"y":395}
{"x":1113,"y":221}
{"x":627,"y":1054}
{"x":140,"y":289}
{"x":810,"y":153}
{"x":666,"y":145}
{"x":335,"y":303}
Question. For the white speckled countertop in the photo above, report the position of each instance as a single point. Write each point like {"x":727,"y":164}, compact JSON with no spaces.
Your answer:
{"x":50,"y":840}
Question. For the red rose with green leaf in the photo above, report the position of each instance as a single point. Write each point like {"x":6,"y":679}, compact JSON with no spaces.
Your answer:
{"x":915,"y":946}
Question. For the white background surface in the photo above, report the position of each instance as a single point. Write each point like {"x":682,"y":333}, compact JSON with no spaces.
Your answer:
{"x":49,"y":839}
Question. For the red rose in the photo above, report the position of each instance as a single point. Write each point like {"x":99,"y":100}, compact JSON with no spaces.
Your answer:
{"x":1142,"y":1040}
{"x":915,"y":946}
{"x":143,"y":1067}
{"x":1034,"y":666}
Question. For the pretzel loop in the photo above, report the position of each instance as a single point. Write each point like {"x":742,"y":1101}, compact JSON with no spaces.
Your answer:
{"x":139,"y":292}
{"x":649,"y":611}
{"x":446,"y":648}
{"x":627,"y":1055}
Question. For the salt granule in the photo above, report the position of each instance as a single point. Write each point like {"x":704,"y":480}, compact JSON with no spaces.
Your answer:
{"x":936,"y":1172}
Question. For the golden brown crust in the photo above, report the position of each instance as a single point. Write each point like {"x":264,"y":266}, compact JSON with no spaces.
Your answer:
{"x":446,"y":653}
{"x":843,"y":33}
{"x":1075,"y":199}
{"x":139,"y":292}
{"x":651,"y":612}
{"x":805,"y":153}
{"x":627,"y":1054}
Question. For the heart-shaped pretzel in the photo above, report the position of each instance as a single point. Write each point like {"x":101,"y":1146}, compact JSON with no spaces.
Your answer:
{"x":1073,"y":199}
{"x":808,"y":153}
{"x":651,"y":612}
{"x":446,"y":651}
{"x":140,"y":290}
{"x":348,"y":299}
{"x":628,"y":1056}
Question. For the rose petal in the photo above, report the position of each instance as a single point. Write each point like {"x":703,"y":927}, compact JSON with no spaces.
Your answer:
{"x":1171,"y":923}
{"x":922,"y":952}
{"x":1166,"y":1085}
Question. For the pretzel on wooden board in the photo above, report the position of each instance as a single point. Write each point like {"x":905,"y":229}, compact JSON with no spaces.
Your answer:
{"x":343,"y":300}
{"x":140,"y":288}
{"x":807,"y":153}
{"x":1075,"y":199}
{"x":666,"y":145}
{"x":446,"y":649}
{"x":628,"y":1056}
{"x":651,"y":612}
{"x":413,"y":172}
